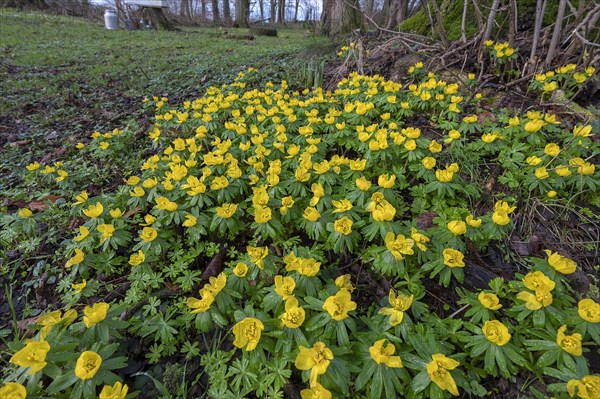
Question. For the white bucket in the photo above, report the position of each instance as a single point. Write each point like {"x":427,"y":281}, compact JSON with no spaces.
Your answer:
{"x":111,"y":20}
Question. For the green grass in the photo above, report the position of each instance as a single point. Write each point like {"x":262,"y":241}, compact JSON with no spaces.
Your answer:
{"x":67,"y":76}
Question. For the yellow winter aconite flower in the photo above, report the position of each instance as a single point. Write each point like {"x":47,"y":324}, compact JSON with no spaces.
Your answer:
{"x":284,"y":286}
{"x":94,"y":211}
{"x":33,"y":166}
{"x":202,"y":304}
{"x":107,"y":231}
{"x":149,"y":234}
{"x":560,"y":263}
{"x":241,"y":269}
{"x":190,"y":221}
{"x":552,"y":150}
{"x":87,"y":365}
{"x":339,"y":305}
{"x":582,"y":131}
{"x":533,"y":160}
{"x":589,"y":310}
{"x":489,"y":300}
{"x":343,"y":282}
{"x":386,"y":180}
{"x":341,"y":206}
{"x":562,"y":170}
{"x":429,"y":162}
{"x":311,"y":214}
{"x":95,"y":314}
{"x":541,"y":298}
{"x":536,"y":281}
{"x":382,"y":351}
{"x":587,"y":387}
{"x":137,"y":192}
{"x":286,"y":204}
{"x":262,"y":214}
{"x":381,"y":210}
{"x":12,"y":390}
{"x":439,"y":372}
{"x":294,"y":315}
{"x":399,"y":245}
{"x":343,"y":226}
{"x":79,"y":287}
{"x":247,"y":333}
{"x":117,"y":391}
{"x":495,"y":331}
{"x":434,"y":147}
{"x":316,"y":391}
{"x":33,"y":355}
{"x":541,"y":173}
{"x":457,"y":227}
{"x":399,"y":305}
{"x":226,"y":211}
{"x":569,"y":343}
{"x":501,"y":212}
{"x":471,"y":221}
{"x":25,"y":213}
{"x":534,"y":125}
{"x":453,"y":258}
{"x":363,"y":184}
{"x":165,"y":204}
{"x":137,"y":258}
{"x":257,"y":255}
{"x":315,"y":359}
{"x":76,"y":259}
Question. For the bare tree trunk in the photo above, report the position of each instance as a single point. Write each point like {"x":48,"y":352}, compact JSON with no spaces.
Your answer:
{"x":281,"y":12}
{"x":478,"y":16}
{"x":439,"y":25}
{"x":540,"y":9}
{"x":512,"y":21}
{"x":227,"y":11}
{"x":463,"y":22}
{"x":261,"y":7}
{"x":242,"y":12}
{"x":557,"y":32}
{"x":203,"y":10}
{"x":296,"y":6}
{"x":216,"y":16}
{"x":158,"y":18}
{"x":340,"y":16}
{"x":273,"y":11}
{"x":490,"y":22}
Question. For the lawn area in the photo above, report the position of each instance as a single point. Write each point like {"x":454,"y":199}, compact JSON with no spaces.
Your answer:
{"x":61,"y":78}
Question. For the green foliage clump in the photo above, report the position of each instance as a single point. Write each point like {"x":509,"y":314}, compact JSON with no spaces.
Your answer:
{"x":244,"y":237}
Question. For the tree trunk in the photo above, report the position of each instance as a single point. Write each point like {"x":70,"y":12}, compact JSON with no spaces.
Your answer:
{"x":227,"y":12}
{"x":281,"y":12}
{"x":203,"y":10}
{"x":394,"y":12}
{"x":158,"y":18}
{"x":340,"y":17}
{"x":540,"y":8}
{"x":261,"y":7}
{"x":296,"y":10}
{"x":439,"y":23}
{"x":273,"y":11}
{"x":557,"y":33}
{"x":512,"y":21}
{"x":242,"y":12}
{"x":216,"y":17}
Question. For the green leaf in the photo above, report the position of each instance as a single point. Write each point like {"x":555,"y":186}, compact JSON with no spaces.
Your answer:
{"x":420,"y":382}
